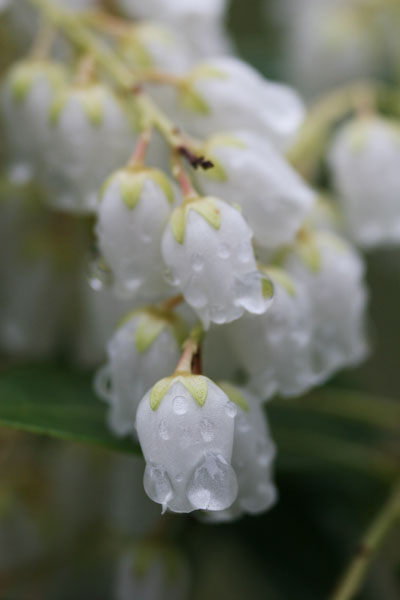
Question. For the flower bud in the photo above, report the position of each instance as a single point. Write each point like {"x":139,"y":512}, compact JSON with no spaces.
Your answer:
{"x":274,"y":349}
{"x":91,"y":136}
{"x":364,"y":160}
{"x":207,"y":247}
{"x":252,"y":458}
{"x":185,"y":425}
{"x":145,"y":348}
{"x":226,"y":94}
{"x":336,"y":288}
{"x":26,"y":96}
{"x":134,"y":209}
{"x":250,"y":172}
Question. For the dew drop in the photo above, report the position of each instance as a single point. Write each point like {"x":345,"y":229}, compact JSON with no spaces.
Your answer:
{"x":231,"y":410}
{"x":163,"y":430}
{"x":103,"y":383}
{"x":197,"y":262}
{"x":217,"y":313}
{"x":213,"y":485}
{"x":170,"y":278}
{"x":99,"y":275}
{"x":207,"y":430}
{"x":224,"y":252}
{"x":158,"y":485}
{"x":180,"y":405}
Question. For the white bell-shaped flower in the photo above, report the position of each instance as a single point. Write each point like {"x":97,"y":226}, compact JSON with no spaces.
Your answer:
{"x":151,"y":571}
{"x":274,"y":349}
{"x":26,"y":96}
{"x":226,"y":94}
{"x":207,"y":248}
{"x":172,"y":10}
{"x":200,"y":24}
{"x":185,"y":425}
{"x":252,"y":458}
{"x":333,"y":273}
{"x":250,"y":172}
{"x":91,"y":136}
{"x":134,"y":209}
{"x":364,"y":161}
{"x":145,"y":348}
{"x":328,"y":43}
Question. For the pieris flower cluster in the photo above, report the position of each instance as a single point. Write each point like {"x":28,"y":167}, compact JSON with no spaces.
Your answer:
{"x":225,"y":247}
{"x":332,"y":42}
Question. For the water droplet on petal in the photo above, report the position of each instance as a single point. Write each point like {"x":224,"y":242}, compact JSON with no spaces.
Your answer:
{"x":99,"y":275}
{"x":197,"y":262}
{"x":163,"y":430}
{"x":224,"y":252}
{"x":180,"y":405}
{"x":170,"y":278}
{"x":157,"y":485}
{"x":231,"y":410}
{"x":103,"y":383}
{"x":207,"y":430}
{"x":217,"y":313}
{"x":213,"y":485}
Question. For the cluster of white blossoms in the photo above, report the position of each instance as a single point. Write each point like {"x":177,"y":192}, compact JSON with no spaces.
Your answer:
{"x":236,"y":286}
{"x":326,"y":43}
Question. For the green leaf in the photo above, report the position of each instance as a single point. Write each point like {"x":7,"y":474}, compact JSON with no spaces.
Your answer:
{"x":58,"y":402}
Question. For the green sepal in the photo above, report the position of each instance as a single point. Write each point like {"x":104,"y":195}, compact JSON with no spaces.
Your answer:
{"x":133,"y":49}
{"x":91,"y":99}
{"x":309,"y":253}
{"x":223,"y":139}
{"x":93,"y":106}
{"x":178,"y":223}
{"x":205,"y":70}
{"x":267,"y":288}
{"x":130,"y":187}
{"x":57,"y":108}
{"x":159,"y":390}
{"x":217,"y":171}
{"x":197,"y":386}
{"x":23,"y":76}
{"x":131,"y":182}
{"x":206,"y":207}
{"x":150,"y":326}
{"x":153,"y":322}
{"x":283,"y":278}
{"x":234,"y":395}
{"x":163,"y":182}
{"x":21,"y":83}
{"x":191,"y":100}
